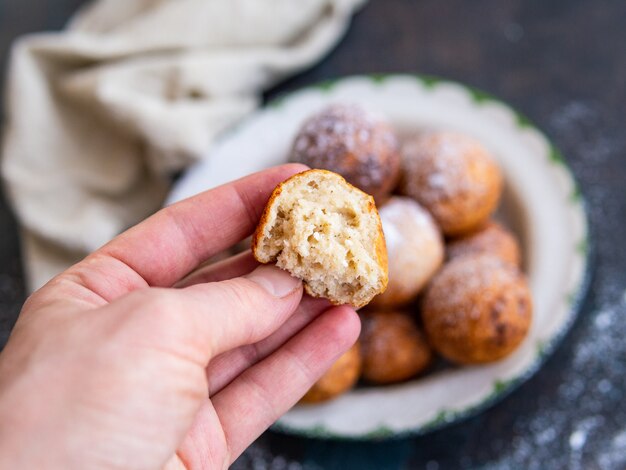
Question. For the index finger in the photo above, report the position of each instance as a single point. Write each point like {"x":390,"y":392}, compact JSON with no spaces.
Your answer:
{"x":175,"y":240}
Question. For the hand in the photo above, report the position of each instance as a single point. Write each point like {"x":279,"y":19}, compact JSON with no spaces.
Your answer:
{"x":141,"y":357}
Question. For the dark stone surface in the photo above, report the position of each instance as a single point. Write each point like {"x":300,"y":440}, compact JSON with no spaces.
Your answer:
{"x":562,"y":63}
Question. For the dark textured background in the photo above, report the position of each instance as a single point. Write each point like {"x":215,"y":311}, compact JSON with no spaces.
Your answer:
{"x":562,"y":63}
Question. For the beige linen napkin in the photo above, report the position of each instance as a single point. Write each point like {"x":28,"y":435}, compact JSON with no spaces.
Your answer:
{"x":99,"y":115}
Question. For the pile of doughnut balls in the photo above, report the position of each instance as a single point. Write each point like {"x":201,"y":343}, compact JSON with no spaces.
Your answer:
{"x":456,"y":290}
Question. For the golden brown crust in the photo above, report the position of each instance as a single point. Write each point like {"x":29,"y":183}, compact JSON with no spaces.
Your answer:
{"x":492,"y":239}
{"x":380,"y":247}
{"x":477,"y":309}
{"x":263,"y":221}
{"x":340,"y":378}
{"x":393,"y":349}
{"x":454,"y":177}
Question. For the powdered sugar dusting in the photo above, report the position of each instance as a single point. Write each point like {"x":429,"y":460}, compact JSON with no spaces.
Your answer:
{"x":399,"y":211}
{"x":462,"y":280}
{"x":343,"y":134}
{"x":436,"y":165}
{"x":393,"y":236}
{"x":492,"y":239}
{"x":257,"y":457}
{"x":437,"y":181}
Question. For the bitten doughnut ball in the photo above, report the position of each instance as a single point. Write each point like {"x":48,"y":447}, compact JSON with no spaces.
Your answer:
{"x":491,"y":239}
{"x":454,"y":177}
{"x":326,"y":232}
{"x":354,"y":142}
{"x":340,"y":378}
{"x":477,"y":309}
{"x":415,"y":250}
{"x":392,"y":347}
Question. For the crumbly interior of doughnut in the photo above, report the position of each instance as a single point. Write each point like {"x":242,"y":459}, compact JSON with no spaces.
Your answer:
{"x":322,"y":231}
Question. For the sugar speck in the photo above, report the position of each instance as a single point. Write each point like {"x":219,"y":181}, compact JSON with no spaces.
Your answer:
{"x":604,"y":386}
{"x":577,"y":439}
{"x":604,"y":319}
{"x":548,"y":435}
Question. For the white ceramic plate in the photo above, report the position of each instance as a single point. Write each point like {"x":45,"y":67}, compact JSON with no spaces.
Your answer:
{"x":542,"y":204}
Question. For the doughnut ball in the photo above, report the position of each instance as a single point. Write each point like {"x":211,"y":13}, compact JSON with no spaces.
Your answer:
{"x":454,"y":177}
{"x":326,"y":232}
{"x":356,"y":143}
{"x":491,"y":239}
{"x":477,"y":309}
{"x":414,"y":248}
{"x":392,"y":347}
{"x":340,"y":378}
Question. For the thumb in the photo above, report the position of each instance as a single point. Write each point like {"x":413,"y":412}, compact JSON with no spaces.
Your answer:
{"x":208,"y":319}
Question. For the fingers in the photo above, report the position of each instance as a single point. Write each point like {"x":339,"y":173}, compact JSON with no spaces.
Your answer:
{"x":202,"y":321}
{"x":225,"y":367}
{"x":167,"y":246}
{"x":259,"y":396}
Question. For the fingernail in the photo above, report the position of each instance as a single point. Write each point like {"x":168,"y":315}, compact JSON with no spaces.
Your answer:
{"x":274,"y":280}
